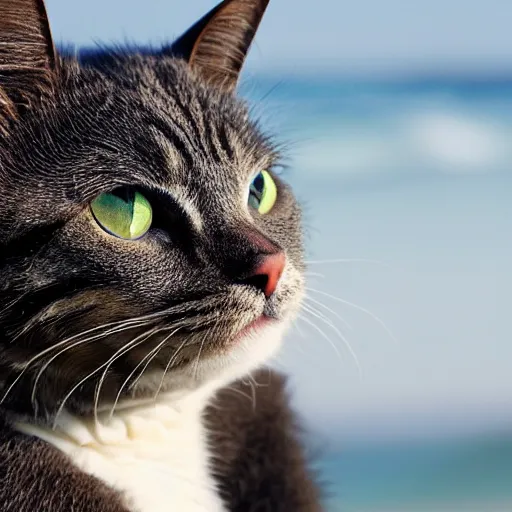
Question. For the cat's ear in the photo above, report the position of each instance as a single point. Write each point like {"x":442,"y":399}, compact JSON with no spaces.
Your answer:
{"x":216,"y":46}
{"x":28,"y":61}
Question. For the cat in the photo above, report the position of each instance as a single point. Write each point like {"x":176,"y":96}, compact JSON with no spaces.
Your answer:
{"x":151,"y":260}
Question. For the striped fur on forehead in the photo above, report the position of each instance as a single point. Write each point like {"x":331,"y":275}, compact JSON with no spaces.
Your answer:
{"x":151,"y":121}
{"x":215,"y":124}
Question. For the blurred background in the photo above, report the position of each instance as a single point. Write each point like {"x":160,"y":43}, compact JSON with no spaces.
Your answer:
{"x":397,"y":122}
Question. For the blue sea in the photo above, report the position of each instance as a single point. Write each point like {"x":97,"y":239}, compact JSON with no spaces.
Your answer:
{"x":406,"y":186}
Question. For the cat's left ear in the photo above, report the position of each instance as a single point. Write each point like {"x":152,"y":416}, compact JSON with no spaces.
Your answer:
{"x":216,"y":46}
{"x":28,"y":60}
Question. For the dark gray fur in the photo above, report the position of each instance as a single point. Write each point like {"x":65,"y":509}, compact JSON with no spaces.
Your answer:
{"x":168,"y":123}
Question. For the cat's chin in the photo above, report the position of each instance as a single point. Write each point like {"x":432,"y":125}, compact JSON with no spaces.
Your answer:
{"x":254,"y":345}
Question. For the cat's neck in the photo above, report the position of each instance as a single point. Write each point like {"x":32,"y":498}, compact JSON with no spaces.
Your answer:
{"x":154,"y":453}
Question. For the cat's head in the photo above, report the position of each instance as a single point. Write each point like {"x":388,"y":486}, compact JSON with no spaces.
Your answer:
{"x":146,"y":245}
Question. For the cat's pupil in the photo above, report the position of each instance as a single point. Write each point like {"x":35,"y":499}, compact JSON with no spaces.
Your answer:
{"x":125,"y":193}
{"x":256,"y":191}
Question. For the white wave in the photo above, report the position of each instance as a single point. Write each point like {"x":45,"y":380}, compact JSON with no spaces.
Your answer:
{"x":347,"y":153}
{"x":457,"y":143}
{"x":441,"y":140}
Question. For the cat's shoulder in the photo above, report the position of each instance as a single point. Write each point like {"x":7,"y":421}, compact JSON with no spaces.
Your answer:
{"x":257,"y":443}
{"x":34,"y":472}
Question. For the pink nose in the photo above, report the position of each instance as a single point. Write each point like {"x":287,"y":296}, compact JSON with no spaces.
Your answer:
{"x":267,"y":272}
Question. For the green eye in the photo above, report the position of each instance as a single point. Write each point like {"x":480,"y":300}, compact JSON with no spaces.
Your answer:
{"x":124,"y":213}
{"x":263,"y":193}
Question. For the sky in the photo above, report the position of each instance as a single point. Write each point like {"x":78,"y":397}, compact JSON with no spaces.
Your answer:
{"x":364,"y":36}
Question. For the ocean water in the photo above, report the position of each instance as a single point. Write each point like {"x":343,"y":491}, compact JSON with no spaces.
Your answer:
{"x":429,"y":476}
{"x":408,"y":183}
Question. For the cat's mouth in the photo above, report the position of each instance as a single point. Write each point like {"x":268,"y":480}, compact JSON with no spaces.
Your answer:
{"x":253,"y":327}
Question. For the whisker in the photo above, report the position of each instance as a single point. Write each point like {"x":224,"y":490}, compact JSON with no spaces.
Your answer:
{"x":169,"y":363}
{"x":348,"y":260}
{"x":149,"y":357}
{"x":77,"y":343}
{"x":298,"y":346}
{"x":50,"y":349}
{"x":333,"y":345}
{"x":337,"y":315}
{"x":125,"y":348}
{"x":258,"y":384}
{"x":136,"y":342}
{"x":322,"y":317}
{"x":359,"y":308}
{"x":314,"y":274}
{"x":234,"y":390}
{"x":212,"y":334}
{"x":299,"y":330}
{"x":196,"y":366}
{"x":137,"y":379}
{"x":9,"y":305}
{"x":253,"y":393}
{"x":139,"y":321}
{"x":92,"y":329}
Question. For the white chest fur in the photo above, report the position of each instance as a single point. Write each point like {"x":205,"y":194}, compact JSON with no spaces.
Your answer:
{"x":155,"y":455}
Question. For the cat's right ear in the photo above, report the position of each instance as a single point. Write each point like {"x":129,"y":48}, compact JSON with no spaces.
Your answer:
{"x":216,"y":46}
{"x":28,"y":60}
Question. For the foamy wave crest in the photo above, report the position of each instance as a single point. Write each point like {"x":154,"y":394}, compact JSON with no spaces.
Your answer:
{"x":457,"y":143}
{"x":413,"y":141}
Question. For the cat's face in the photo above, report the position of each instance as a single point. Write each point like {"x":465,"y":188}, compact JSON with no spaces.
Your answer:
{"x":137,"y":254}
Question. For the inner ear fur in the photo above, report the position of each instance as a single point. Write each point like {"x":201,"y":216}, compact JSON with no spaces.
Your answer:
{"x":217,"y":45}
{"x":28,"y":60}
